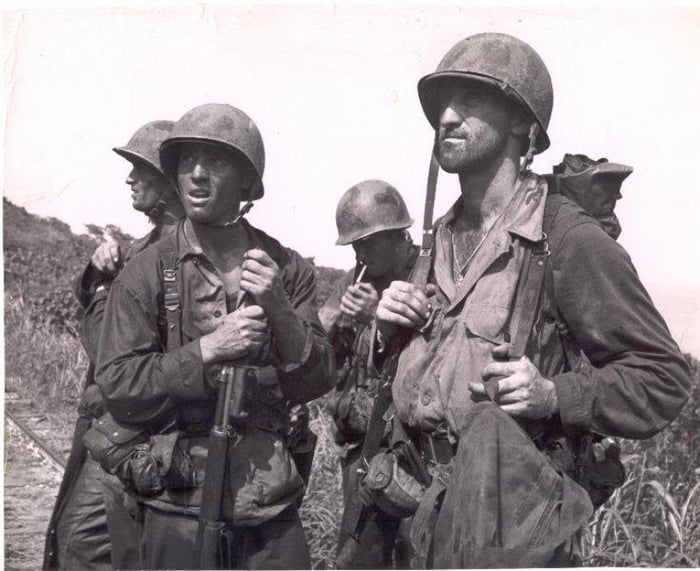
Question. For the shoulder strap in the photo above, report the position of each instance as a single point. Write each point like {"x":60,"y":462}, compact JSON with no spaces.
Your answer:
{"x":421,"y":269}
{"x":171,"y":278}
{"x":530,"y":282}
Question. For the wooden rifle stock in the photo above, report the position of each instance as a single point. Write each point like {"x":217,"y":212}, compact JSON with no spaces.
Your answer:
{"x":213,"y":540}
{"x":211,"y":520}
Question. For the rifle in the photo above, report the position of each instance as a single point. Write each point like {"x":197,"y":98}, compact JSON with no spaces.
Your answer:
{"x":356,"y":513}
{"x":217,"y":548}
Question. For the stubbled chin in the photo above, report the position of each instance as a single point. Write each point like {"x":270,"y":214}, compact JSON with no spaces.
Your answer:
{"x":448,"y":163}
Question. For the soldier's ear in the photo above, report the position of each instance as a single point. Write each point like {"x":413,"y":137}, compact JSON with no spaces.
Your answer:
{"x":248,"y":180}
{"x":520,"y":125}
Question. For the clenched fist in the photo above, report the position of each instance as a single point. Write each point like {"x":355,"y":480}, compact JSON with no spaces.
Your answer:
{"x":261,"y":278}
{"x":107,"y":258}
{"x":360,"y":302}
{"x":521,"y":389}
{"x":241,"y":333}
{"x":402,"y":305}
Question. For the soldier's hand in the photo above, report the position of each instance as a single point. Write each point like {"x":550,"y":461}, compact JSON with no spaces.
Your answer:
{"x":522,"y":390}
{"x":107,"y":258}
{"x":261,"y":277}
{"x":360,"y":302}
{"x":241,"y":333}
{"x":402,"y":305}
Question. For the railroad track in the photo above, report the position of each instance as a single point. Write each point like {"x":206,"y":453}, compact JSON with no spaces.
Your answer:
{"x":36,"y":445}
{"x":51,"y":457}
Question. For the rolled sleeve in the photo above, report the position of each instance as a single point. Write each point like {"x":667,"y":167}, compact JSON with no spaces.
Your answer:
{"x":639,"y":380}
{"x":289,"y":368}
{"x":84,"y":285}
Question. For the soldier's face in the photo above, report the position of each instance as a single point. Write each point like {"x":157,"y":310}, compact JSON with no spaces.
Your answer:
{"x":210,"y":182}
{"x":379,"y":252}
{"x":604,"y":194}
{"x":147,"y":185}
{"x":474,"y":127}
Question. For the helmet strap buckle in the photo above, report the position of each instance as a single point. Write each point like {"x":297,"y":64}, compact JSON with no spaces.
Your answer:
{"x":532,"y":141}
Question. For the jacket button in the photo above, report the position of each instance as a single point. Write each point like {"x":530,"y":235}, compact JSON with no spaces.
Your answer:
{"x":426,"y":399}
{"x":217,"y":313}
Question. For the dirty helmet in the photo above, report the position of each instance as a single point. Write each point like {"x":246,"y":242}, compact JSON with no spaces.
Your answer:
{"x":222,"y":125}
{"x":367,"y":208}
{"x":502,"y":61}
{"x":145,"y":143}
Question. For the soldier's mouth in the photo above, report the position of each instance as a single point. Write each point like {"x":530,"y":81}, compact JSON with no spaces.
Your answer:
{"x":198,"y":194}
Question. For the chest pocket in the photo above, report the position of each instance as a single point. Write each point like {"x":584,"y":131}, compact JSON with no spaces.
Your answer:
{"x":487,"y":309}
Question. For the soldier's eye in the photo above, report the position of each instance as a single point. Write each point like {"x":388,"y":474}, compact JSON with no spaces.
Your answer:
{"x":186,"y":161}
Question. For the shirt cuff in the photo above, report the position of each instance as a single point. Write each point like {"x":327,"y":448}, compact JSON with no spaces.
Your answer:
{"x":287,"y":368}
{"x":574,"y":418}
{"x":183,"y":372}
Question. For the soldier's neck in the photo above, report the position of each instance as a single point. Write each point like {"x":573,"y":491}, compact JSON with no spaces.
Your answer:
{"x":166,"y":212}
{"x":485,"y":193}
{"x":223,"y":245}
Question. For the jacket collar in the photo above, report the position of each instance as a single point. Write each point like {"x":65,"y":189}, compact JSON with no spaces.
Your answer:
{"x":522,"y":218}
{"x":524,"y":213}
{"x":186,"y":243}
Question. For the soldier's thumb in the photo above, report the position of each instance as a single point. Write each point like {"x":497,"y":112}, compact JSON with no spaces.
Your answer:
{"x":503,"y":352}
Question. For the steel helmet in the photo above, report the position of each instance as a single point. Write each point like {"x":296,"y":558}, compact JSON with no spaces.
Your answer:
{"x":144,"y":144}
{"x":369,"y":207}
{"x":500,"y":60}
{"x":223,"y":125}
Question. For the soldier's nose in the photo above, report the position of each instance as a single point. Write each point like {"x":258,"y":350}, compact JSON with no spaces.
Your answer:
{"x":198,"y":171}
{"x":449,"y":117}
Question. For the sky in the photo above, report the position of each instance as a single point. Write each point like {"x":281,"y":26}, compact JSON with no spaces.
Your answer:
{"x":332,"y":87}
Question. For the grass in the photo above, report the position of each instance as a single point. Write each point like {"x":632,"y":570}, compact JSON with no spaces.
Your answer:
{"x":652,"y":520}
{"x":43,"y":365}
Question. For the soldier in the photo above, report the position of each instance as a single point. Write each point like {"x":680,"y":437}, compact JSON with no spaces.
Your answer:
{"x":521,"y":278}
{"x":373,"y":217}
{"x":88,"y":508}
{"x":595,"y":185}
{"x":217,"y":290}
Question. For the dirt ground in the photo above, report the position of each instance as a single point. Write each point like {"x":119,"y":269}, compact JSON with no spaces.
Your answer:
{"x":31,"y":483}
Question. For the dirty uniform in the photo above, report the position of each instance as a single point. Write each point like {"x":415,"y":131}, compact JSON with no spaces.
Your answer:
{"x":149,"y":388}
{"x":352,"y":403}
{"x":638,"y":381}
{"x":89,"y":505}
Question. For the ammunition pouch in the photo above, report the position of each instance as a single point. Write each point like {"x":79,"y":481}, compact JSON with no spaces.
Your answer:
{"x":592,"y":461}
{"x":391,"y":487}
{"x":599,"y":468}
{"x":146,"y":465}
{"x":352,"y":408}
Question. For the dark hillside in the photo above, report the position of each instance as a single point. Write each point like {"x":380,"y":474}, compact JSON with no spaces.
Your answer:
{"x":42,"y":257}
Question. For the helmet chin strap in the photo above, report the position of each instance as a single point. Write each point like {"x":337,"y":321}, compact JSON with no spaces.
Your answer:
{"x":532,"y":139}
{"x":160,"y":207}
{"x":241,"y":213}
{"x":157,"y":210}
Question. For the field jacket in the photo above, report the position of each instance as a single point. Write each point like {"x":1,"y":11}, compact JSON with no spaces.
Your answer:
{"x":638,"y":380}
{"x":147,"y":387}
{"x":93,"y":300}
